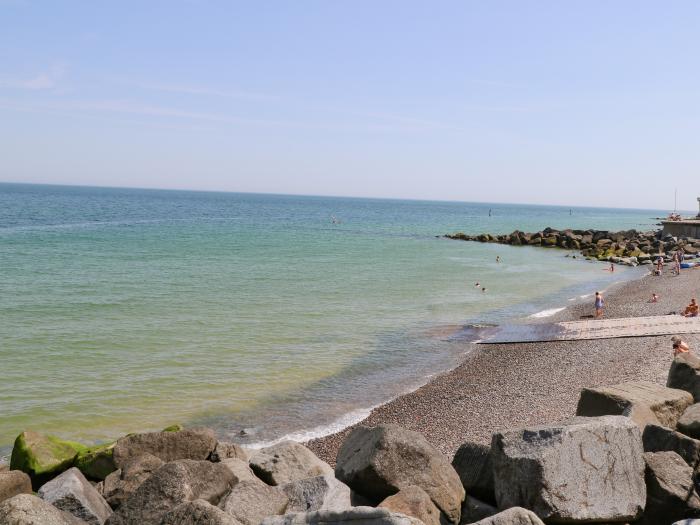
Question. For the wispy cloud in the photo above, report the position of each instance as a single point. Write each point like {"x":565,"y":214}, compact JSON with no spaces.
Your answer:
{"x":203,"y":91}
{"x":43,"y":80}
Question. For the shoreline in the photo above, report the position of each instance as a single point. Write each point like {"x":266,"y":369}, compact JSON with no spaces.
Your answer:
{"x":513,"y":385}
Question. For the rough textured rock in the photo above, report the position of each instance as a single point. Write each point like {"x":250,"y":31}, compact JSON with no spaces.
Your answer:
{"x":251,"y":501}
{"x":224,"y":450}
{"x":472,"y":462}
{"x":169,"y":486}
{"x":43,"y":457}
{"x":670,"y":491}
{"x":413,"y":501}
{"x":584,"y":469}
{"x":512,"y":516}
{"x":240,"y":470}
{"x":317,"y":493}
{"x":27,"y":509}
{"x":96,"y":462}
{"x":286,"y":462}
{"x":687,"y":522}
{"x":475,"y":510}
{"x":72,"y":493}
{"x":13,"y":482}
{"x":196,"y":444}
{"x":644,"y":402}
{"x":689,"y":423}
{"x":197,"y":512}
{"x":378,"y":462}
{"x":353,"y":516}
{"x":684,"y":374}
{"x":662,"y":439}
{"x":122,"y":483}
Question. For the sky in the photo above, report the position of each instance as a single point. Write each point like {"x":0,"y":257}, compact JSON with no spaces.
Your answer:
{"x":545,"y":102}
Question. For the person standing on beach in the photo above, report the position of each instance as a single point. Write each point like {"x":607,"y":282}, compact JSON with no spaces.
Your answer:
{"x":599,"y":304}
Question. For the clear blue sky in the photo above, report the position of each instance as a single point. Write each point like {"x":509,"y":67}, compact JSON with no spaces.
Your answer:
{"x":562,"y":102}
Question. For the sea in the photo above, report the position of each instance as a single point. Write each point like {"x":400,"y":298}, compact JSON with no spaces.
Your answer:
{"x":262,"y":316}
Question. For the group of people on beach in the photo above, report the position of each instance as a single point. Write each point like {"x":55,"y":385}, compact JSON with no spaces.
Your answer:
{"x":676,"y":260}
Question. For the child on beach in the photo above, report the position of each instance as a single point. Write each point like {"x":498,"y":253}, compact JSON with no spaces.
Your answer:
{"x":599,"y":304}
{"x":654,"y":298}
{"x":679,"y":346}
{"x":692,"y":309}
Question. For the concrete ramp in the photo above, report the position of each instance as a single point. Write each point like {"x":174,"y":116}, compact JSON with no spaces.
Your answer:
{"x":593,"y":329}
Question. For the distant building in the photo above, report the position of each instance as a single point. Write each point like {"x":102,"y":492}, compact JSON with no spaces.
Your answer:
{"x":679,"y":227}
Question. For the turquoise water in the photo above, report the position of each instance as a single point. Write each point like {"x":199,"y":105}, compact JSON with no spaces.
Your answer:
{"x":125,"y":310}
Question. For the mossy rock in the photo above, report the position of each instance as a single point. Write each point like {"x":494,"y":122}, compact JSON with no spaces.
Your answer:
{"x":96,"y":462}
{"x":43,"y":457}
{"x":174,"y":428}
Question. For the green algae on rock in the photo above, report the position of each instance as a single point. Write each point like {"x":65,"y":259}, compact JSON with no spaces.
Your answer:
{"x":174,"y":428}
{"x":96,"y":462}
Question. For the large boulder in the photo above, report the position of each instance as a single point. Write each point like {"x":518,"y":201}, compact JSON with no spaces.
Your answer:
{"x":662,"y":439}
{"x":413,"y":501}
{"x":169,"y":486}
{"x":96,"y":462}
{"x":317,"y":493}
{"x":13,"y":482}
{"x":286,"y":462}
{"x":225,"y":450}
{"x":71,"y":492}
{"x":583,"y":469}
{"x":684,"y":374}
{"x":27,"y":509}
{"x":475,"y":510}
{"x":352,"y":516}
{"x":197,"y":512}
{"x":512,"y":516}
{"x":472,"y":462}
{"x":240,"y":469}
{"x":195,"y":444}
{"x":378,"y":462}
{"x":689,"y":423}
{"x":43,"y":457}
{"x":642,"y":401}
{"x":251,"y":501}
{"x":670,"y":491}
{"x":122,"y":483}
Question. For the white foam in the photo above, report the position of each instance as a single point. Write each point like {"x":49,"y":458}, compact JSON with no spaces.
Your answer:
{"x":547,"y":313}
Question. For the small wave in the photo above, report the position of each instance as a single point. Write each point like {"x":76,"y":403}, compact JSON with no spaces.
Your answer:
{"x":585,"y":296}
{"x":547,"y":313}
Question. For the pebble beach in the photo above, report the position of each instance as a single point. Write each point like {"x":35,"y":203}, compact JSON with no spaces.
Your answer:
{"x":512,"y":385}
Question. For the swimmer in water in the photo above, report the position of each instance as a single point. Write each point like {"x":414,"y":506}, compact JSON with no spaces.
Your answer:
{"x":477,"y":284}
{"x":483,"y":290}
{"x":498,"y":258}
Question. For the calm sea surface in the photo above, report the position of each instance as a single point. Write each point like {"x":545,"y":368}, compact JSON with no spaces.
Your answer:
{"x":127,"y":310}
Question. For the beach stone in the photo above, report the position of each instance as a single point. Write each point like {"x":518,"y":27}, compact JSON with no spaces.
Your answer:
{"x":197,"y":512}
{"x":684,"y":374}
{"x":512,"y":516}
{"x":13,"y":482}
{"x":96,"y":462}
{"x":286,"y":462}
{"x":317,"y":493}
{"x":689,"y":423}
{"x":224,"y":450}
{"x":687,"y":522}
{"x":662,"y":439}
{"x":43,"y":457}
{"x":251,"y":501}
{"x":352,"y":516}
{"x":240,"y":469}
{"x":583,"y":469}
{"x":641,"y":401}
{"x":195,"y":444}
{"x":670,"y":491}
{"x":172,"y":484}
{"x":27,"y":509}
{"x":475,"y":510}
{"x":122,"y":483}
{"x":472,"y":462}
{"x":413,"y":501}
{"x":378,"y":462}
{"x":72,"y":493}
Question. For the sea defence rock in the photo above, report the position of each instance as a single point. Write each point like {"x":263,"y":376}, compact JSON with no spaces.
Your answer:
{"x":240,"y":469}
{"x":353,"y":516}
{"x":317,"y":493}
{"x":472,"y":462}
{"x":251,"y":501}
{"x":474,"y":510}
{"x":662,"y":439}
{"x":172,"y":484}
{"x":286,"y":462}
{"x":641,"y":401}
{"x":13,"y":482}
{"x":378,"y":462}
{"x":195,"y":444}
{"x":689,"y":423}
{"x":27,"y":509}
{"x":96,"y":462}
{"x":583,"y":469}
{"x":225,"y":450}
{"x":512,"y":516}
{"x":43,"y":457}
{"x":670,"y":491}
{"x":122,"y":483}
{"x":197,"y":512}
{"x":413,"y":501}
{"x":72,"y":493}
{"x":684,"y":374}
